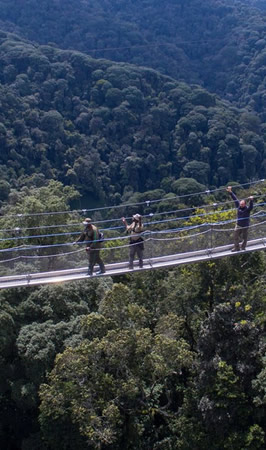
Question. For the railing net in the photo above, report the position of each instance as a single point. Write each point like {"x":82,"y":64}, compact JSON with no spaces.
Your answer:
{"x":26,"y":259}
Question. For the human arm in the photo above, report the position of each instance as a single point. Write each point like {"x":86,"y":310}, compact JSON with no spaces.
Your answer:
{"x":234,"y":197}
{"x":86,"y":236}
{"x":250,"y":207}
{"x":124,"y":222}
{"x":80,"y":239}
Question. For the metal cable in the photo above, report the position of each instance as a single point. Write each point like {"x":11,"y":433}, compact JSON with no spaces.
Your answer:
{"x":75,"y":233}
{"x":126,"y":205}
{"x":126,"y":237}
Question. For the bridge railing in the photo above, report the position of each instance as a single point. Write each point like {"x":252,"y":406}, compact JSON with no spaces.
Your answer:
{"x":44,"y":258}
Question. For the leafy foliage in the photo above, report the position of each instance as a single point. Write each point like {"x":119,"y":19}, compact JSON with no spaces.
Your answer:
{"x":138,"y":364}
{"x":162,"y":360}
{"x":109,"y":129}
{"x":219,"y":44}
{"x":134,"y":369}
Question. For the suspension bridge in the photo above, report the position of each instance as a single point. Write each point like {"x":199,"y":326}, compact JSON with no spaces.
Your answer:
{"x":30,"y":257}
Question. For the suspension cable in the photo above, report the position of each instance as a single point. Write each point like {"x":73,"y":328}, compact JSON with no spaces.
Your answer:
{"x":118,"y":227}
{"x":126,"y":205}
{"x":151,"y":214}
{"x":125,"y":245}
{"x":187,"y":228}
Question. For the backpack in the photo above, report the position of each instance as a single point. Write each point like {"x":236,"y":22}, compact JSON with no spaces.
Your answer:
{"x":101,"y":236}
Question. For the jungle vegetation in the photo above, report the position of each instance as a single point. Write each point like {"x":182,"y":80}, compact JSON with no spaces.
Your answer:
{"x":219,"y":44}
{"x":111,"y":102}
{"x":112,"y":129}
{"x":163,"y":360}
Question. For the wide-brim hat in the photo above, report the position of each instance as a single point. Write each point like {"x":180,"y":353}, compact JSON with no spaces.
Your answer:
{"x":86,"y":221}
{"x":137,"y":217}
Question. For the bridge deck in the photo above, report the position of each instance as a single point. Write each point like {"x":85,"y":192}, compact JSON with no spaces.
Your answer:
{"x":34,"y":279}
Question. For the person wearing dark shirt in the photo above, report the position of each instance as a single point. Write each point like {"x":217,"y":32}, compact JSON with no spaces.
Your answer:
{"x":92,"y":238}
{"x":242,"y":224}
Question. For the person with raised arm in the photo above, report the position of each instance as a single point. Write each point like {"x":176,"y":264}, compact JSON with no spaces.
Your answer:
{"x":243,"y":219}
{"x":136,"y":240}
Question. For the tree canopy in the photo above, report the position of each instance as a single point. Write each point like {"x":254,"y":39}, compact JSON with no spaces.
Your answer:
{"x":100,"y":126}
{"x":218,"y":44}
{"x":103,"y":103}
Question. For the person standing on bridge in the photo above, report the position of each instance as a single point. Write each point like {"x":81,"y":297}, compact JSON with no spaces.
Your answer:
{"x":92,"y":237}
{"x":136,"y":241}
{"x":242,"y":225}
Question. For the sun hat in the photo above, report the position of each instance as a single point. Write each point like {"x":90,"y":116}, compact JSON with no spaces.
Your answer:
{"x":87,"y":221}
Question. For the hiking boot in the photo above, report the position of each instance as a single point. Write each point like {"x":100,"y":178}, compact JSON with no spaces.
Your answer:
{"x":235,"y":249}
{"x":100,"y":272}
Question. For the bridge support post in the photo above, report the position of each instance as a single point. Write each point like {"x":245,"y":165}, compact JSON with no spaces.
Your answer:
{"x":151,"y":249}
{"x":28,"y":278}
{"x":211,"y":237}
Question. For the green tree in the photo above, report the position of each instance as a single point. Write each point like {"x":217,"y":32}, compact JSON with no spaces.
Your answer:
{"x":136,"y":371}
{"x":226,"y":373}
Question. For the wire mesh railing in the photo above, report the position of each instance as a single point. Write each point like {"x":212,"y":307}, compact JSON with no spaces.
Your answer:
{"x":25,"y":259}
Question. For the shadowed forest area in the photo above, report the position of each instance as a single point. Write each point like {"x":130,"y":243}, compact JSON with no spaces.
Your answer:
{"x":218,"y":44}
{"x":111,"y":129}
{"x":121,"y":102}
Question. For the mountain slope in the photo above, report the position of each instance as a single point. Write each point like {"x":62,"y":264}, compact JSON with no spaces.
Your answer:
{"x":107,"y":127}
{"x":219,"y":44}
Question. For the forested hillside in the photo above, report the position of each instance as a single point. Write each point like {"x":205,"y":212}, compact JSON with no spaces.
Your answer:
{"x":110,"y":128}
{"x":219,"y":44}
{"x":166,"y":360}
{"x":124,"y":101}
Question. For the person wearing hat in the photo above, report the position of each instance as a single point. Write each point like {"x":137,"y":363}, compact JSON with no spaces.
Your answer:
{"x":91,"y":236}
{"x":136,"y":241}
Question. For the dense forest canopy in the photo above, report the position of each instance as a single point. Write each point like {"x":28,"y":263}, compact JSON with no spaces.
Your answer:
{"x":111,"y":128}
{"x":126,"y":101}
{"x":165,"y":360}
{"x":219,"y":44}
